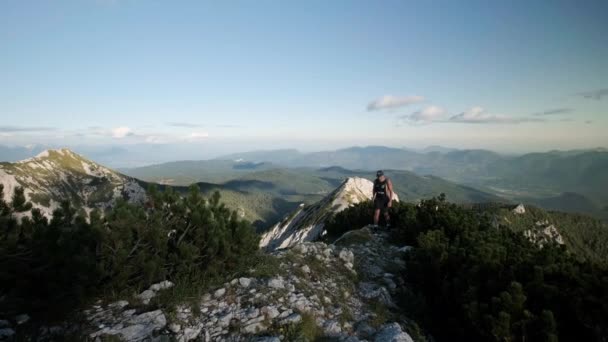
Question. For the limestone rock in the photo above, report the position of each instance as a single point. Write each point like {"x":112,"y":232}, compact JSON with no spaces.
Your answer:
{"x":520,"y":209}
{"x":146,"y":296}
{"x":347,"y":256}
{"x":175,"y":328}
{"x":163,"y":285}
{"x":276,"y":283}
{"x":143,"y":325}
{"x":364,"y":330}
{"x":245,"y":282}
{"x":307,"y":222}
{"x":392,"y":333}
{"x":254,"y":328}
{"x":6,"y":333}
{"x":21,"y":319}
{"x":332,"y":328}
{"x":291,"y":319}
{"x":219,"y":293}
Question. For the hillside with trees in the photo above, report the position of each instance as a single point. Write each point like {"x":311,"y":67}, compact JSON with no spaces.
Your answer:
{"x":469,"y":277}
{"x":51,"y":266}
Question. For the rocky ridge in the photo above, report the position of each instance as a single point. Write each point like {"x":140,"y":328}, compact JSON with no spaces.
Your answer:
{"x":307,"y":222}
{"x":543,"y":233}
{"x":58,"y":175}
{"x":344,"y":290}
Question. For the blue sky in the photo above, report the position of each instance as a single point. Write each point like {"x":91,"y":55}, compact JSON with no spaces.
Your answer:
{"x":230,"y":76}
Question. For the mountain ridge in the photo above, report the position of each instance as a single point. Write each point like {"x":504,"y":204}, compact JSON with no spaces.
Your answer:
{"x":307,"y":222}
{"x":54,"y":176}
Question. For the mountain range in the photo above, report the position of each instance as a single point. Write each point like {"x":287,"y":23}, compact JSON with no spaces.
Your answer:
{"x":558,"y":180}
{"x":280,"y":180}
{"x":260,"y":192}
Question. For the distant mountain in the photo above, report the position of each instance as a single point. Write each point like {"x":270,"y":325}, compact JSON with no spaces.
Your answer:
{"x":188,"y":171}
{"x":539,"y":178}
{"x":54,"y":176}
{"x":60,"y":175}
{"x":534,"y":176}
{"x":365,"y":158}
{"x":437,"y":148}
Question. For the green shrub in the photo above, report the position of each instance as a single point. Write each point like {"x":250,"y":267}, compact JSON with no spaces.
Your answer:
{"x":62,"y":263}
{"x":469,"y":278}
{"x":478,"y":282}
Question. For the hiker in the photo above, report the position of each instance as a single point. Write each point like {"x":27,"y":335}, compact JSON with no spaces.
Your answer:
{"x":382,"y":197}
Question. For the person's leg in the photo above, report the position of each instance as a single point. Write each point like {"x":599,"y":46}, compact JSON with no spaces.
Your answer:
{"x":387,"y":217}
{"x":376,"y":216}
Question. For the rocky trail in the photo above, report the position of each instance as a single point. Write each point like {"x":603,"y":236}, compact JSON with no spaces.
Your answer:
{"x":341,"y":292}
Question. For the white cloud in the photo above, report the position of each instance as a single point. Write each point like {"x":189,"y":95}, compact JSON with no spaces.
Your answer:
{"x":426,"y":115}
{"x":430,"y":113}
{"x":156,"y":139}
{"x":184,"y":124}
{"x":121,"y":132}
{"x":196,"y":136}
{"x":479,"y":115}
{"x":390,"y":101}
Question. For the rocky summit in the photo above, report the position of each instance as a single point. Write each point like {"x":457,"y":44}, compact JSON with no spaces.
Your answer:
{"x":343,"y":291}
{"x":60,"y":175}
{"x":307,"y":222}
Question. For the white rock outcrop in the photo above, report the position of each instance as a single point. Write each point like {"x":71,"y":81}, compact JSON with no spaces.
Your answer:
{"x":312,"y":281}
{"x":543,"y":233}
{"x":392,"y":333}
{"x":520,"y":209}
{"x":307,"y":222}
{"x":56,"y":175}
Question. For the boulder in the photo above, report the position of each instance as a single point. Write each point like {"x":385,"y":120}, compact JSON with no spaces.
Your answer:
{"x":276,"y":283}
{"x":219,"y":293}
{"x":520,"y":209}
{"x":118,"y":305}
{"x":270,"y":311}
{"x":143,"y":325}
{"x":21,"y":319}
{"x":347,"y":256}
{"x":268,"y":339}
{"x":245,"y":282}
{"x":291,"y":319}
{"x":6,"y":333}
{"x":225,"y":319}
{"x":392,"y":333}
{"x":254,"y":328}
{"x":364,"y":330}
{"x":163,"y":285}
{"x":369,"y":290}
{"x":190,"y":334}
{"x":146,"y":296}
{"x":332,"y":328}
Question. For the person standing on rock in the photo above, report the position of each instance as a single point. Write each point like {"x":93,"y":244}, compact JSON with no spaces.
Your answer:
{"x":382,"y":198}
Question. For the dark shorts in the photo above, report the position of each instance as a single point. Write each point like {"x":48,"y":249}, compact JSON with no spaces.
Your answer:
{"x":381,"y":203}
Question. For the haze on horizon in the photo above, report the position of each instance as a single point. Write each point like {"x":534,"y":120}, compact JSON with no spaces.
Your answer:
{"x":196,"y":80}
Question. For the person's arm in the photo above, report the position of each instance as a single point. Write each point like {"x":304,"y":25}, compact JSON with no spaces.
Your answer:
{"x":389,"y":188}
{"x":374,"y":194}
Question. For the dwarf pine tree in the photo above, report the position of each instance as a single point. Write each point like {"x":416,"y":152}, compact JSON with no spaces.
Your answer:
{"x":59,"y":263}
